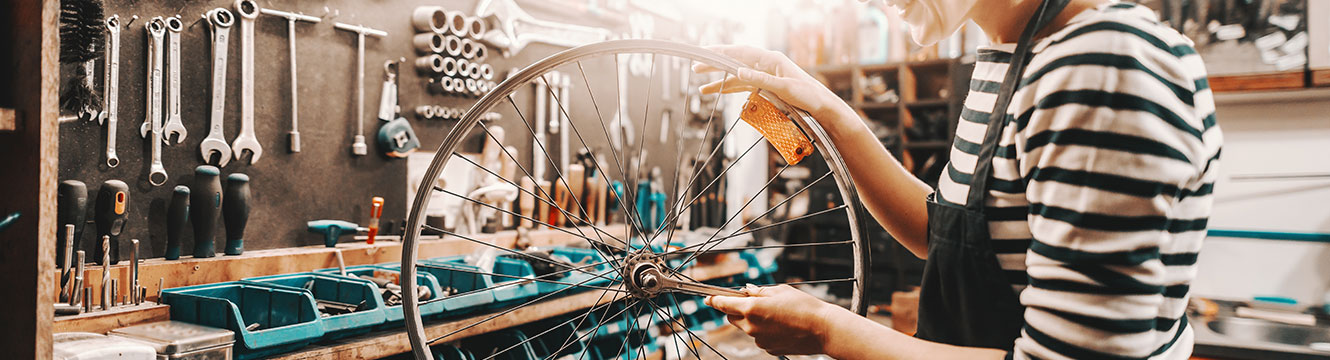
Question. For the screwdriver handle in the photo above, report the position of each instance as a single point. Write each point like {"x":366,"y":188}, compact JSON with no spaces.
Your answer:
{"x":205,"y":201}
{"x":235,"y":212}
{"x":176,"y":215}
{"x":375,"y":212}
{"x":111,"y":215}
{"x":71,"y":209}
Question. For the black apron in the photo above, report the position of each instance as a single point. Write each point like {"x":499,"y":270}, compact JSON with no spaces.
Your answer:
{"x":964,"y":299}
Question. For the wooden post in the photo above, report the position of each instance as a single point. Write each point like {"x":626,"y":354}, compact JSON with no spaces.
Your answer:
{"x":29,"y":50}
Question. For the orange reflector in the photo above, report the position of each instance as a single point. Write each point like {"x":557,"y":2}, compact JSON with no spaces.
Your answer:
{"x":776,"y":128}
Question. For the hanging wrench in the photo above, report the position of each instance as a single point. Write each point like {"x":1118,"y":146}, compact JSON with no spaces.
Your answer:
{"x":219,"y":21}
{"x":153,"y":124}
{"x":291,"y":19}
{"x":248,"y":10}
{"x":173,"y":125}
{"x":111,"y":87}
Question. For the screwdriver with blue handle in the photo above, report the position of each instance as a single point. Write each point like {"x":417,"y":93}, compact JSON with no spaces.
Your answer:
{"x":235,"y":212}
{"x":205,"y":204}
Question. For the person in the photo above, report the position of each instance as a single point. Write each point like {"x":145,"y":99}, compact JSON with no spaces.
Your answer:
{"x":1067,"y":228}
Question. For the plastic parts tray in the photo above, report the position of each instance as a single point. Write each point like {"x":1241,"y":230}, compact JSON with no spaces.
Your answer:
{"x":287,"y":319}
{"x":499,"y":341}
{"x":328,"y":287}
{"x":393,"y":314}
{"x":512,"y":269}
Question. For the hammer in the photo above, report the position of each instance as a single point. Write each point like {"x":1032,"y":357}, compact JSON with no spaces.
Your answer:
{"x":333,"y":229}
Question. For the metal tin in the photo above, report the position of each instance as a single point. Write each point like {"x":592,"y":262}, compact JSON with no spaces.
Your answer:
{"x":89,"y":346}
{"x":181,"y":340}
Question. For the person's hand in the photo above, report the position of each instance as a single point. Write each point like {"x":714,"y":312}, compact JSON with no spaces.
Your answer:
{"x":782,"y":319}
{"x":774,"y":72}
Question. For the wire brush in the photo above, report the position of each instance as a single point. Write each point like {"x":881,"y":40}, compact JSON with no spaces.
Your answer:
{"x":82,"y":39}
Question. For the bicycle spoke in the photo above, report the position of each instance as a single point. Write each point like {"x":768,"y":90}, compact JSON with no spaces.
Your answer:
{"x":544,"y":150}
{"x":704,"y":342}
{"x":702,"y":144}
{"x":605,"y":129}
{"x":570,"y":339}
{"x":552,"y":328}
{"x":742,"y":208}
{"x":505,"y":211}
{"x":674,"y":334}
{"x":760,"y":228}
{"x":623,"y":347}
{"x":689,"y":345}
{"x":520,"y":279}
{"x":712,"y":183}
{"x":697,"y":172}
{"x":506,"y":311}
{"x":511,"y":251}
{"x":772,"y":209}
{"x":515,"y":283}
{"x":844,"y":242}
{"x":595,"y":330}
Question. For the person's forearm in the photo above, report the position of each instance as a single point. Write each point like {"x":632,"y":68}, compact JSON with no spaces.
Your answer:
{"x":894,"y":197}
{"x":848,"y":336}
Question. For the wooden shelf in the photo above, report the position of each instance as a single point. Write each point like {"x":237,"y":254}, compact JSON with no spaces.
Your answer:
{"x":194,"y":271}
{"x":391,"y":342}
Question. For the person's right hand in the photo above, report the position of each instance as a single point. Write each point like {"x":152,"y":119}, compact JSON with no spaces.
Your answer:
{"x":774,"y":72}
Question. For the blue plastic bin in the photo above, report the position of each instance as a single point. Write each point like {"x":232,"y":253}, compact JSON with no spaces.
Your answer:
{"x":393,"y":314}
{"x":579,"y":257}
{"x":288,"y":319}
{"x":516,"y":290}
{"x":449,"y":352}
{"x":471,"y":290}
{"x":330,"y":287}
{"x":552,"y":334}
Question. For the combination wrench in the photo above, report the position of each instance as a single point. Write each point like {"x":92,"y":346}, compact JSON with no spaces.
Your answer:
{"x":248,"y":11}
{"x":152,"y":125}
{"x":291,"y":19}
{"x":358,"y":147}
{"x":219,"y":21}
{"x":111,"y":86}
{"x":173,"y":125}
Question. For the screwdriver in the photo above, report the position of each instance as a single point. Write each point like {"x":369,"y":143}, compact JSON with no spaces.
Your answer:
{"x":112,"y":208}
{"x":235,"y":212}
{"x":177,"y":213}
{"x":375,"y":212}
{"x":206,"y":202}
{"x":71,"y":209}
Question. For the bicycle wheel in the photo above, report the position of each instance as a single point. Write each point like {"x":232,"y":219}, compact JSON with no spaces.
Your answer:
{"x":628,"y":268}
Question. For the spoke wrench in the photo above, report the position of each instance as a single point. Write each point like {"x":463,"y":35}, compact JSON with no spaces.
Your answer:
{"x":248,"y":10}
{"x":219,"y":21}
{"x":152,"y":125}
{"x":173,"y":125}
{"x":358,"y":147}
{"x":112,"y":87}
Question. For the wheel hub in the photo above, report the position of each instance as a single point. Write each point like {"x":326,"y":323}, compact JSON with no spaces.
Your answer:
{"x":643,"y":273}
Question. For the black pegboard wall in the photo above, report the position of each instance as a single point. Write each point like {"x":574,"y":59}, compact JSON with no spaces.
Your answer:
{"x":324,"y":180}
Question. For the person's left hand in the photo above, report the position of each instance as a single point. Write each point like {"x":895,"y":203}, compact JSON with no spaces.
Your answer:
{"x":782,"y":319}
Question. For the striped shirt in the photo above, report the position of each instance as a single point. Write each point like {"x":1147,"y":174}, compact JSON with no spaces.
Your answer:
{"x":1102,"y":183}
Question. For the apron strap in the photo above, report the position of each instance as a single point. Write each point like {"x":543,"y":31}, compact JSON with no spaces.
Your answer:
{"x":997,"y":120}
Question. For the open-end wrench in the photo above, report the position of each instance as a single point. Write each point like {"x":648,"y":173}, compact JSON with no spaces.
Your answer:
{"x":111,"y":87}
{"x":248,"y":10}
{"x":291,"y":19}
{"x":358,"y":147}
{"x":219,"y":21}
{"x":173,"y":125}
{"x":649,"y":279}
{"x":516,"y":28}
{"x":152,"y":125}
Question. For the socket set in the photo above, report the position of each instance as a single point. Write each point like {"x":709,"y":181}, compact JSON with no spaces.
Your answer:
{"x":450,"y":54}
{"x":437,"y":112}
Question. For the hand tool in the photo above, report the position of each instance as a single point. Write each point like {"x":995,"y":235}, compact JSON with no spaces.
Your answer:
{"x":160,"y":286}
{"x":430,"y":64}
{"x":248,"y":11}
{"x":651,"y":280}
{"x":551,"y":82}
{"x":173,"y":125}
{"x":134,"y":271}
{"x":482,"y":53}
{"x":235,"y":212}
{"x":538,"y":159}
{"x":509,"y":172}
{"x":177,"y":213}
{"x":562,"y":108}
{"x":516,"y":29}
{"x":526,"y":204}
{"x":463,"y":68}
{"x":71,"y":210}
{"x":67,"y":309}
{"x":429,"y":19}
{"x":476,"y":27}
{"x":152,"y":125}
{"x":205,"y":200}
{"x":428,"y":43}
{"x":452,"y":46}
{"x":468,"y":48}
{"x":358,"y":147}
{"x":80,"y":32}
{"x":111,"y":87}
{"x":110,"y":214}
{"x":219,"y":21}
{"x":395,"y":135}
{"x":457,"y":25}
{"x":67,"y":273}
{"x":106,"y":272}
{"x":544,"y":212}
{"x":87,"y":300}
{"x":77,"y":294}
{"x":375,"y":212}
{"x":576,"y":185}
{"x":333,"y":229}
{"x":291,"y":18}
{"x":486,"y":71}
{"x":115,"y":292}
{"x":341,"y":263}
{"x":449,"y":67}
{"x":651,"y":201}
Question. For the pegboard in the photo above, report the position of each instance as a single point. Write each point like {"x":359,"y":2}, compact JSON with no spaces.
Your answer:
{"x":324,"y":180}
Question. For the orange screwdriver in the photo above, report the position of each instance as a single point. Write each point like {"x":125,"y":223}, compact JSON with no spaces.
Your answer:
{"x":375,"y":211}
